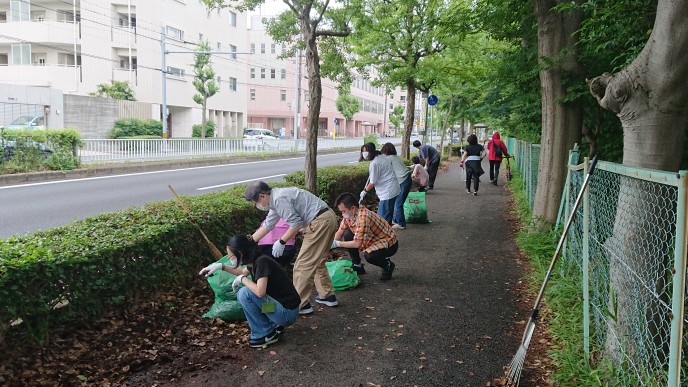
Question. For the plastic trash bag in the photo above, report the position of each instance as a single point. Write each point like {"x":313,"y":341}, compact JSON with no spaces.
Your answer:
{"x":226,"y":306}
{"x":414,"y":208}
{"x":342,"y":275}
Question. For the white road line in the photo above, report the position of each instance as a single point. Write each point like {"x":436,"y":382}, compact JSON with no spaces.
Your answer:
{"x":239,"y":182}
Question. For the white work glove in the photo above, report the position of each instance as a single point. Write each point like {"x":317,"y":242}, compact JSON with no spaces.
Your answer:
{"x":277,"y":249}
{"x":335,"y":244}
{"x":237,"y":283}
{"x":210,"y":269}
{"x":363,"y":195}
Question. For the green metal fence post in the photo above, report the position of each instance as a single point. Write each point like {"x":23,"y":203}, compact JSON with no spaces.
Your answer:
{"x":586,"y":266}
{"x":679,"y":280}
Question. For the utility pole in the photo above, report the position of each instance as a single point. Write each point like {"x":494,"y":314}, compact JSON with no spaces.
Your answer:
{"x":297,"y":113}
{"x":384,"y":117}
{"x":131,"y":66}
{"x":164,"y":82}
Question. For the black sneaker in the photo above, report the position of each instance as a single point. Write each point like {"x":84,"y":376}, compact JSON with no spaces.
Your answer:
{"x":307,"y":309}
{"x":358,"y":268}
{"x":475,"y":193}
{"x":263,"y":342}
{"x":494,"y":181}
{"x":329,"y":300}
{"x":387,"y":274}
{"x":279,"y":329}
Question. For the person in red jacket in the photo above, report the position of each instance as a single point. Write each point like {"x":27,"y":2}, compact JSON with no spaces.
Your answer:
{"x":496,"y":151}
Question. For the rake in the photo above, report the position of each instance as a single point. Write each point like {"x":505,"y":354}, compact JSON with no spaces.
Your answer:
{"x":516,"y":365}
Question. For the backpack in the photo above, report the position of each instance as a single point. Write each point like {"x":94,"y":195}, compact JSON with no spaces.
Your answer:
{"x":497,"y":149}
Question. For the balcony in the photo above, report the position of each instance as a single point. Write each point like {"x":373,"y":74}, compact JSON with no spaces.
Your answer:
{"x":125,"y":75}
{"x":120,"y":36}
{"x":64,"y":77}
{"x":46,"y":31}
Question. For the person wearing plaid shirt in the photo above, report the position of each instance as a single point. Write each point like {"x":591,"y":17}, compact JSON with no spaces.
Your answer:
{"x":372,"y":235}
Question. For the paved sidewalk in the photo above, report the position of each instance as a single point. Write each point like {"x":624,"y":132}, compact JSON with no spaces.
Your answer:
{"x":447,"y":318}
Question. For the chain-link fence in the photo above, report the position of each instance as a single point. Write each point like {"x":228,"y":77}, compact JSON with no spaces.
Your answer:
{"x":628,"y":243}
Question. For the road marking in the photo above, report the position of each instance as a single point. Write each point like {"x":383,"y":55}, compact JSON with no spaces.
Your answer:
{"x":154,"y":172}
{"x":239,"y":182}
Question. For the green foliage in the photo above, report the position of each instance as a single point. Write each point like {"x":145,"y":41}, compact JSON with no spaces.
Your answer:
{"x":209,"y":130}
{"x":347,"y":104}
{"x":371,"y":138}
{"x":132,"y":127}
{"x":395,"y":116}
{"x":116,"y":90}
{"x":40,"y":150}
{"x":334,"y":180}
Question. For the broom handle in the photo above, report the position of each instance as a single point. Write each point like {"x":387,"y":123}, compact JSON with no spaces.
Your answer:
{"x":563,"y":236}
{"x":213,"y":249}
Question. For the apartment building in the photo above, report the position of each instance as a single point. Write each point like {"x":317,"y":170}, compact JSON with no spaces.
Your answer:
{"x":75,"y":45}
{"x":272,"y":84}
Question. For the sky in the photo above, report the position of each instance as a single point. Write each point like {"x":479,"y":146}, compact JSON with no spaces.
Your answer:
{"x":268,"y":8}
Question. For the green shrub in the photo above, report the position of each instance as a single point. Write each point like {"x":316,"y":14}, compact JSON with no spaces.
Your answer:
{"x":209,"y":129}
{"x":39,"y":150}
{"x":371,"y":138}
{"x":135,"y":127}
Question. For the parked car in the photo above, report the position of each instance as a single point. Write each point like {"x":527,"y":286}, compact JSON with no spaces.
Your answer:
{"x":27,"y":122}
{"x":256,"y":139}
{"x":260,"y":134}
{"x":10,"y":149}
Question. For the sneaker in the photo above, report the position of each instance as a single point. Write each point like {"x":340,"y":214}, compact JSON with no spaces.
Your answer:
{"x":475,"y":193}
{"x":398,"y":227}
{"x":468,"y":190}
{"x":279,"y":329}
{"x":329,"y":300}
{"x":387,"y":274}
{"x":421,"y":189}
{"x":494,"y":181}
{"x":263,"y":342}
{"x":358,"y":268}
{"x":307,"y":309}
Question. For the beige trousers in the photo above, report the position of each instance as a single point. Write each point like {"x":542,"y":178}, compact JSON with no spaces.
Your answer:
{"x":310,"y":263}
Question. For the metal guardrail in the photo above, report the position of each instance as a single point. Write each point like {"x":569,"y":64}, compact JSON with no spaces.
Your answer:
{"x":113,"y":150}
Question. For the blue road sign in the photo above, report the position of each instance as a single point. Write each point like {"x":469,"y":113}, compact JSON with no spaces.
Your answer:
{"x":432,"y":100}
{"x":335,"y":121}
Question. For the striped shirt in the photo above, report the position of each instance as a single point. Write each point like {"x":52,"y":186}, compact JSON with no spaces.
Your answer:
{"x":372,"y":231}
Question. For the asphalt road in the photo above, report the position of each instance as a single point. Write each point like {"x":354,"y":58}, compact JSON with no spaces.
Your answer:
{"x":27,"y":208}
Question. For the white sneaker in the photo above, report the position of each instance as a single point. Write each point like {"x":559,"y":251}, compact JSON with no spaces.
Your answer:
{"x":398,"y":227}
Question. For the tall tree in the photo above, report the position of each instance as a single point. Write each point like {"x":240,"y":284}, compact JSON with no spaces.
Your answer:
{"x":115,"y":90}
{"x":204,"y":80}
{"x":306,"y":22}
{"x":398,"y":36}
{"x":395,"y":117}
{"x":346,"y":103}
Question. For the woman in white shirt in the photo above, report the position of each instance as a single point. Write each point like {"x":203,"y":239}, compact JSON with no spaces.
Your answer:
{"x":383,"y":179}
{"x":404,"y":178}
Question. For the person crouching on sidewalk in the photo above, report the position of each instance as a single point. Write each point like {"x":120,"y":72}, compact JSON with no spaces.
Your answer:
{"x":271,"y":302}
{"x":371,"y":234}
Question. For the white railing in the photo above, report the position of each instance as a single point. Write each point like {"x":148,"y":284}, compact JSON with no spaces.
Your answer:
{"x":112,"y":150}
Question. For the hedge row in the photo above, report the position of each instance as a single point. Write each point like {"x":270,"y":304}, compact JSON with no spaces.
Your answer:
{"x":27,"y":150}
{"x":71,"y":274}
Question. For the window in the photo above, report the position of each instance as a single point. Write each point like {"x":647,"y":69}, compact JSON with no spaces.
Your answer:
{"x":200,"y":37}
{"x":253,"y":94}
{"x":20,"y":10}
{"x":284,"y":73}
{"x":219,"y":80}
{"x":283,"y":95}
{"x":233,"y":48}
{"x":253,"y":72}
{"x":232,"y":19}
{"x":232,"y":84}
{"x":21,"y":54}
{"x":284,"y":48}
{"x":402,"y":98}
{"x":262,"y":73}
{"x":272,"y":73}
{"x":253,"y":48}
{"x":262,"y":48}
{"x":306,"y":96}
{"x":272,"y":48}
{"x":219,"y":46}
{"x":219,"y":12}
{"x":175,"y":33}
{"x":175,"y":72}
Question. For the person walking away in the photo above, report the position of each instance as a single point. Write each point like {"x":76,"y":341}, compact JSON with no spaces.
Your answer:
{"x":381,"y":176}
{"x":419,"y":176}
{"x":265,"y":244}
{"x":270,"y":300}
{"x":300,"y":209}
{"x":404,"y":178}
{"x":431,"y":159}
{"x":472,"y":158}
{"x":496,"y":150}
{"x":371,"y":235}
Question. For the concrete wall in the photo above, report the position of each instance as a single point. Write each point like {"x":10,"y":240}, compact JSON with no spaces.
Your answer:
{"x":18,"y":100}
{"x":93,"y":117}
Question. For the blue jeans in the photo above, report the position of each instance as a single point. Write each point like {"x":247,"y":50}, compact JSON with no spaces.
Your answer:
{"x":405,"y":187}
{"x":384,"y":209}
{"x":263,"y":323}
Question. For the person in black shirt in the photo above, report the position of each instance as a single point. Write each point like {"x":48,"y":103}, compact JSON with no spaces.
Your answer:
{"x":270,"y":300}
{"x":472,"y":157}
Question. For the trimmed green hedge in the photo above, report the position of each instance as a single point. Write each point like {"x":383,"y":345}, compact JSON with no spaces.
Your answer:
{"x":39,"y":150}
{"x":132,"y":127}
{"x":71,"y":274}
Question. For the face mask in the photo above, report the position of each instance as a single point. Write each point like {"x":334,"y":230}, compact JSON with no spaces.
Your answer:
{"x":346,"y":216}
{"x":262,"y":207}
{"x":365,"y":155}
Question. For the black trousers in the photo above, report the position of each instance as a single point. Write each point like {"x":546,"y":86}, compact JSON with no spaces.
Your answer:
{"x":494,"y":169}
{"x":285,"y":259}
{"x":380,"y":257}
{"x":432,"y":173}
{"x":471,"y":175}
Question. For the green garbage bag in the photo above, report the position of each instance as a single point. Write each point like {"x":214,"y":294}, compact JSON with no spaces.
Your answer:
{"x":226,"y":306}
{"x":342,"y":275}
{"x":414,"y":208}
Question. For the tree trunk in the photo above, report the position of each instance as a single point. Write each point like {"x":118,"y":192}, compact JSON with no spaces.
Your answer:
{"x":203,"y":117}
{"x":561,"y":122}
{"x":315,"y":91}
{"x":651,"y":100}
{"x":409,"y":118}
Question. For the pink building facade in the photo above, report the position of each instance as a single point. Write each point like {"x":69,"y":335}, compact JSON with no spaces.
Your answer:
{"x":272,"y":84}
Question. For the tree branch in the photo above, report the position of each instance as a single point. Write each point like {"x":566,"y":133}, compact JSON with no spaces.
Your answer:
{"x":322,"y":12}
{"x":347,"y":32}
